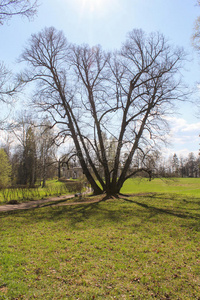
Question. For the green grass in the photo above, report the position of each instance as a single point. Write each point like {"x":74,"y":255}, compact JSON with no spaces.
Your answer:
{"x":189,"y":186}
{"x":52,"y":188}
{"x":143,"y":247}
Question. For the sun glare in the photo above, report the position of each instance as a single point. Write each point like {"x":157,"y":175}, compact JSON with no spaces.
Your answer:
{"x":95,"y":6}
{"x":92,"y":5}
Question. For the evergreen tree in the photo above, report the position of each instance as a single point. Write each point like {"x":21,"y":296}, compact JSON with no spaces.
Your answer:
{"x":27,"y":167}
{"x":5,"y":169}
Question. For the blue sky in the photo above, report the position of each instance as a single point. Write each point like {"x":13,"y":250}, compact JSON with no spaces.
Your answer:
{"x":107,"y":22}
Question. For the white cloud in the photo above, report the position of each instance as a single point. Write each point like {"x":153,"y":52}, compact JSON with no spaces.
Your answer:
{"x":180,"y":124}
{"x":192,"y":127}
{"x":183,"y":136}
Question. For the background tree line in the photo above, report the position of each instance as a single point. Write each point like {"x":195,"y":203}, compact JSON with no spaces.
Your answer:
{"x":31,"y":152}
{"x":172,"y":166}
{"x":35,"y":158}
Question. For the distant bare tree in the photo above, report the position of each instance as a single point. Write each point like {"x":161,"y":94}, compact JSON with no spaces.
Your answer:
{"x":91,"y":94}
{"x":46,"y":150}
{"x":10,"y":8}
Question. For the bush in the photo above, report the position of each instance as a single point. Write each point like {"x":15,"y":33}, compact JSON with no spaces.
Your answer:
{"x":75,"y":186}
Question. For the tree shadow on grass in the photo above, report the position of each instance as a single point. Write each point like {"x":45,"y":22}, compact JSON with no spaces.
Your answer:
{"x":173,"y":212}
{"x":92,"y":211}
{"x":90,"y":214}
{"x":178,"y":211}
{"x":107,"y":209}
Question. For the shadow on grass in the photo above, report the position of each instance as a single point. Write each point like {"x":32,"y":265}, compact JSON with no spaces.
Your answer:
{"x":172,"y":212}
{"x":115,"y":210}
{"x":175,"y":197}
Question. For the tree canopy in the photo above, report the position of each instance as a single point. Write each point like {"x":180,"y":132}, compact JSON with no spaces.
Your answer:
{"x":106,"y":101}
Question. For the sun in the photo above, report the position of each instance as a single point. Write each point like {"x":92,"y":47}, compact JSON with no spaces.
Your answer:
{"x":92,"y":5}
{"x":95,"y":6}
{"x":98,"y":8}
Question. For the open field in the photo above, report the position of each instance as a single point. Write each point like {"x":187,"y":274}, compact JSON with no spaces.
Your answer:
{"x":142,"y":247}
{"x":189,"y":186}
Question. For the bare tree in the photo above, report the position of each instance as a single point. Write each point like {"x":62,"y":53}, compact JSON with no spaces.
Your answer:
{"x":9,"y":88}
{"x":8,"y":85}
{"x":10,"y":8}
{"x":46,"y":150}
{"x":91,"y":94}
{"x":196,"y":45}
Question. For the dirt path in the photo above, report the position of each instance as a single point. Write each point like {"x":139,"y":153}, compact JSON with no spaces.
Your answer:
{"x":39,"y":203}
{"x":57,"y":201}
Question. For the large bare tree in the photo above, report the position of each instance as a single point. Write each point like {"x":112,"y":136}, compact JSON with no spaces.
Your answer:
{"x":10,"y":8}
{"x":112,"y":105}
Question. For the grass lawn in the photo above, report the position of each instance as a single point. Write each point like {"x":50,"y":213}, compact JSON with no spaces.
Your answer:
{"x":189,"y":186}
{"x":143,"y":247}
